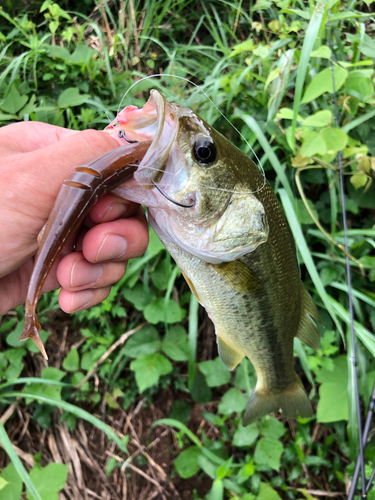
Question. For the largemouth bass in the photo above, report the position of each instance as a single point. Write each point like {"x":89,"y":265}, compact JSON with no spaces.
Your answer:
{"x":222,"y":223}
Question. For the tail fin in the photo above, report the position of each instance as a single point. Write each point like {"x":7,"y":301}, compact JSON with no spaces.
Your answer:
{"x":291,"y":401}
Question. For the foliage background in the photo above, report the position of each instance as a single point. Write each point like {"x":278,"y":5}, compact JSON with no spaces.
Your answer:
{"x":173,"y":411}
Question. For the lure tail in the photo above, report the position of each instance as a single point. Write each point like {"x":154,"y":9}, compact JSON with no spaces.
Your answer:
{"x":292,"y":401}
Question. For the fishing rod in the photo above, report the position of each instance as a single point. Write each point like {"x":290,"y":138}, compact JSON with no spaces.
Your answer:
{"x":362,"y":437}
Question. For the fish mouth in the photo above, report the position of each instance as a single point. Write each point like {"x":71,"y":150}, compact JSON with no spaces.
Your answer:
{"x":156,"y":121}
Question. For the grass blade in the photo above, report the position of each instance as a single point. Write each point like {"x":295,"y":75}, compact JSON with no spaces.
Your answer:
{"x":306,"y":255}
{"x":308,"y":44}
{"x":75,"y":410}
{"x":10,"y":451}
{"x":193,"y":335}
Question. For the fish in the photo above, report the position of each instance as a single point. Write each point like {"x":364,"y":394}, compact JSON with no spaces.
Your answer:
{"x":221,"y":222}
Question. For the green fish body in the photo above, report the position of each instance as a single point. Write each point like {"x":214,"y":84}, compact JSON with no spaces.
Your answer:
{"x":235,"y":249}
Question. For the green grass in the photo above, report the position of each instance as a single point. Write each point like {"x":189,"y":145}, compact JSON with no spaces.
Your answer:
{"x":265,"y":65}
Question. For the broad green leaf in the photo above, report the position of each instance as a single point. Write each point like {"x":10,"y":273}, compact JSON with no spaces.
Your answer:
{"x":268,"y":452}
{"x":272,"y":428}
{"x":313,"y":143}
{"x":13,"y":102}
{"x":367,"y":47}
{"x":318,"y":119}
{"x":285,"y":114}
{"x":333,"y":402}
{"x":49,"y":480}
{"x":145,"y":341}
{"x":199,"y":390}
{"x":149,"y":368}
{"x":335,"y":139}
{"x":11,"y":484}
{"x":157,"y":312}
{"x":155,"y":246}
{"x":266,"y":492}
{"x":322,"y":83}
{"x":232,"y":401}
{"x":361,"y":88}
{"x":215,"y":372}
{"x":359,"y":180}
{"x":186,"y":463}
{"x":71,"y":97}
{"x":245,"y":436}
{"x":175,"y":343}
{"x":139,"y":296}
{"x":160,"y":276}
{"x":323,"y":51}
{"x":71,"y":362}
{"x":333,"y":395}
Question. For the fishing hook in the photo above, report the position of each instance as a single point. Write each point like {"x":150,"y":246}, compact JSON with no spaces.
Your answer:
{"x":122,"y":135}
{"x":169,"y":198}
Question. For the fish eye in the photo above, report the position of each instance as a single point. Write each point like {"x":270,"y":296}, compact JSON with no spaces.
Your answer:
{"x":204,"y":151}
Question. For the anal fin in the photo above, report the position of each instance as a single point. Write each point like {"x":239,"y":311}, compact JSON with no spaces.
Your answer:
{"x":228,"y":354}
{"x":308,"y":332}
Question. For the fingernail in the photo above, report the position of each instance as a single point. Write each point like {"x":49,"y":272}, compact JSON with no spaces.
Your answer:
{"x":115,"y":211}
{"x":85,"y":273}
{"x":81,"y":299}
{"x":113,"y":247}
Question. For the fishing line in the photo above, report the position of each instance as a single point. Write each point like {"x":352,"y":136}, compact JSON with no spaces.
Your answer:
{"x":350,"y":295}
{"x":213,"y":104}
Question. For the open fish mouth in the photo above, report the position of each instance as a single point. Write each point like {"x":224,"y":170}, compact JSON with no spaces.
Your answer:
{"x":156,"y":121}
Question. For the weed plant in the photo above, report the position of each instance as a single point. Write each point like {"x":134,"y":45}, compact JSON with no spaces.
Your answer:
{"x":267,"y":65}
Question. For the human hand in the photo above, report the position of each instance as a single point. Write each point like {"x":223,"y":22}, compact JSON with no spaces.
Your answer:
{"x":35,"y":158}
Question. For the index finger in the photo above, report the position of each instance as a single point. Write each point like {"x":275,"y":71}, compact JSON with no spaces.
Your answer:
{"x":24,"y":137}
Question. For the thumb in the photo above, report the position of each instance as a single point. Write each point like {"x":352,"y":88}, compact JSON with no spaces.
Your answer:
{"x":44,"y":170}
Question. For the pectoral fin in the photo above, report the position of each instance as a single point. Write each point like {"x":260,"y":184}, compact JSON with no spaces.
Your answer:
{"x":228,"y":354}
{"x":191,"y":286}
{"x":239,"y":276}
{"x":308,"y":332}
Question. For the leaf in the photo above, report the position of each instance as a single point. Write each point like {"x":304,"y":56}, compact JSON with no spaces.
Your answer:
{"x":367,"y":47}
{"x":358,"y":180}
{"x":71,"y":362}
{"x":11,"y":484}
{"x":160,"y":276}
{"x":323,"y":51}
{"x":303,"y":215}
{"x":245,"y":436}
{"x":268,"y":452}
{"x":155,"y":246}
{"x":139,"y":296}
{"x":313,"y":143}
{"x":186,"y":463}
{"x":49,"y":480}
{"x":215,"y":372}
{"x":13,"y":102}
{"x":285,"y":114}
{"x":232,"y":401}
{"x":157,"y":312}
{"x":322,"y":83}
{"x":361,"y":88}
{"x":333,"y":396}
{"x":71,"y":97}
{"x":266,"y":492}
{"x":307,"y":47}
{"x":335,"y":139}
{"x":318,"y":119}
{"x":175,"y":344}
{"x":272,"y":428}
{"x":149,"y":368}
{"x":145,"y":341}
